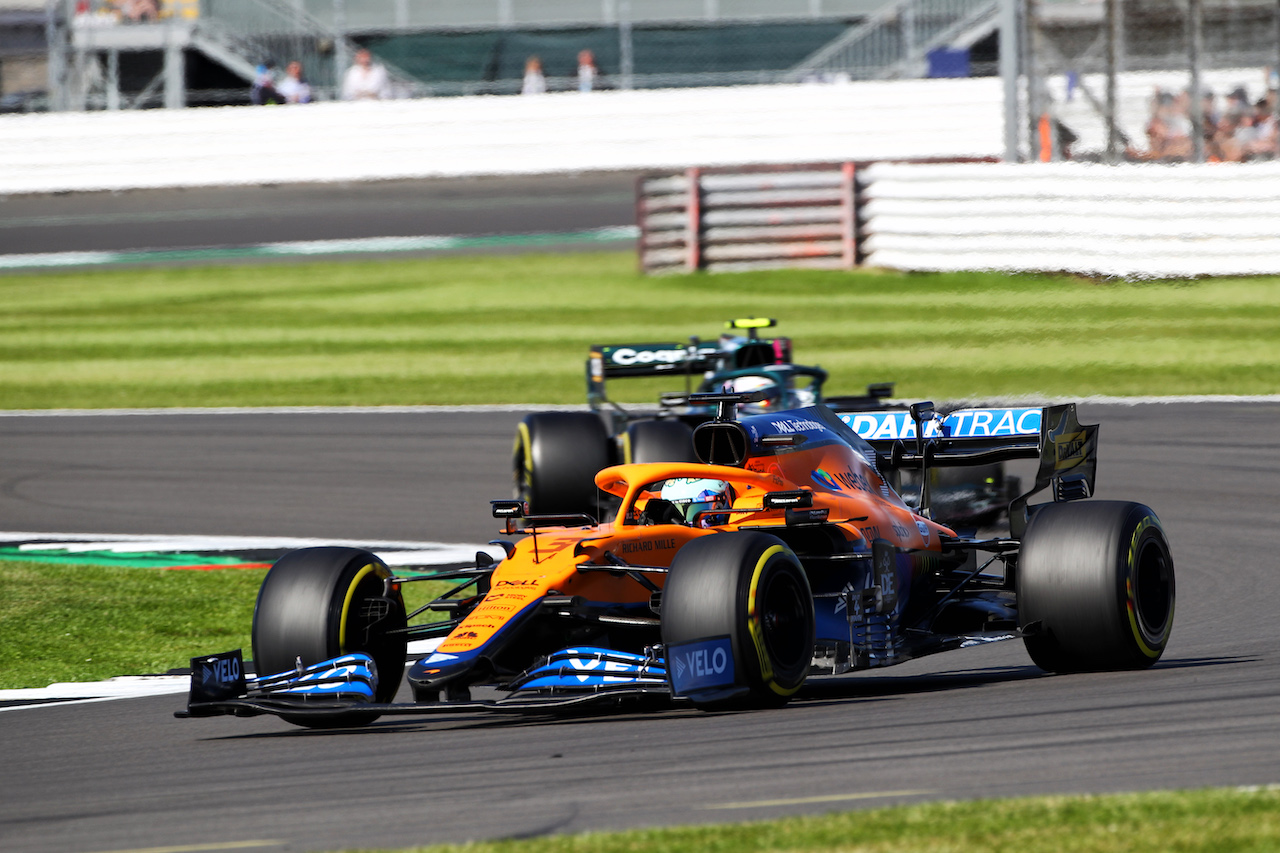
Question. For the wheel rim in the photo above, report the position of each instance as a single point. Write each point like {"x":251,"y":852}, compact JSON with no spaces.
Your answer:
{"x":1153,"y":590}
{"x":366,"y":625}
{"x":785,"y":621}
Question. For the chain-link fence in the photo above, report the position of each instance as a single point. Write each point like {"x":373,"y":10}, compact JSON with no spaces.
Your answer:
{"x":1158,"y":80}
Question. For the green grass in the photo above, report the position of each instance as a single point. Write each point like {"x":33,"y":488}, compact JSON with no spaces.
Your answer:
{"x":85,"y":623}
{"x":1208,"y":821}
{"x":517,"y":328}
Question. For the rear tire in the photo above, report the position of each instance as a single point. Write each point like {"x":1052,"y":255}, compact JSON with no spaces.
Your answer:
{"x":751,"y":588}
{"x":658,"y":441}
{"x":319,"y":603}
{"x":1098,"y":579}
{"x":556,"y":458}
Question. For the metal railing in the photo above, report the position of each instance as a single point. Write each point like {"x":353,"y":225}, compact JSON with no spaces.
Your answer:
{"x":895,"y":41}
{"x":260,"y":31}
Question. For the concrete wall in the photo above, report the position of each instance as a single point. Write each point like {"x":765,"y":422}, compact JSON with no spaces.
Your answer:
{"x":650,"y":129}
{"x":1131,"y":221}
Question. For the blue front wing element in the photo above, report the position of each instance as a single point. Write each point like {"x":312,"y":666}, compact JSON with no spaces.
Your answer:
{"x":348,"y":678}
{"x":592,"y":669}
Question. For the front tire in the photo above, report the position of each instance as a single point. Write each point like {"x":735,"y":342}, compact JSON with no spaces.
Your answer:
{"x":319,"y":603}
{"x":1095,"y":585}
{"x":556,"y":458}
{"x":751,"y":588}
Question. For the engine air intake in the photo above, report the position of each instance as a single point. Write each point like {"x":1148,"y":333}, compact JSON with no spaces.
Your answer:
{"x":721,"y":443}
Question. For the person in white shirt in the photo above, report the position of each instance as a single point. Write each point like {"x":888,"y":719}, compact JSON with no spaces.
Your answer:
{"x":365,"y":80}
{"x":587,"y":71}
{"x":535,"y":82}
{"x":293,"y":88}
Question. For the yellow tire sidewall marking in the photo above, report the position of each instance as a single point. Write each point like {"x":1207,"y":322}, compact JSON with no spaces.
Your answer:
{"x":524,"y":446}
{"x":1131,"y":603}
{"x":346,"y":603}
{"x":755,"y":627}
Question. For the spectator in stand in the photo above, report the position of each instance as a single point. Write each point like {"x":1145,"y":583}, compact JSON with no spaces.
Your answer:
{"x":294,"y":88}
{"x":1169,"y":131}
{"x":587,"y":71}
{"x":1267,"y":140}
{"x":365,"y":80}
{"x":1209,"y":110}
{"x":1237,"y":103}
{"x":1240,"y":131}
{"x":535,"y":82}
{"x":1250,"y":135}
{"x":263,"y":90}
{"x":139,"y":10}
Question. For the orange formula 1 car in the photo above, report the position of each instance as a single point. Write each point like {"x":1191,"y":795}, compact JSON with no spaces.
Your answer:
{"x":781,"y":556}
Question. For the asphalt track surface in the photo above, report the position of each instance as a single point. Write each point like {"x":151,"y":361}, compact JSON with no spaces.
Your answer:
{"x":238,"y":216}
{"x":126,"y":775}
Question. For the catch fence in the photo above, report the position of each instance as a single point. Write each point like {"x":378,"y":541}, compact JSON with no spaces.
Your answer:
{"x":1149,"y":80}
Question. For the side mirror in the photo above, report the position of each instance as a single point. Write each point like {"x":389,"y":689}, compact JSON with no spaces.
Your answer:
{"x":509,"y":509}
{"x":798,"y":498}
{"x":922,"y":411}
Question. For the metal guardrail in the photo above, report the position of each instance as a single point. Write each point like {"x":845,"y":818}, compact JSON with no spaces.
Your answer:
{"x":741,"y":219}
{"x":408,"y":15}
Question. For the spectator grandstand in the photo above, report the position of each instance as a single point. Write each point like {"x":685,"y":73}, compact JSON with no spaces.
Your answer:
{"x":209,"y":49}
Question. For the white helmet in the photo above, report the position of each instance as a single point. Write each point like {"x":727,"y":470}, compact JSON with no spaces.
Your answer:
{"x":746,"y":384}
{"x":693,"y":495}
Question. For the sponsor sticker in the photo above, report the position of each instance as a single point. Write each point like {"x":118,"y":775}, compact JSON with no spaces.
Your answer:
{"x":842,"y":481}
{"x":967,"y":423}
{"x":792,"y":426}
{"x":924,"y":531}
{"x":648,"y":545}
{"x":702,"y":665}
{"x":215,"y":678}
{"x":628,"y":356}
{"x":1068,"y":450}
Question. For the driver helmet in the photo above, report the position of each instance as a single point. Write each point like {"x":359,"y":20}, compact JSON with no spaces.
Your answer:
{"x":746,"y":384}
{"x":692,"y":495}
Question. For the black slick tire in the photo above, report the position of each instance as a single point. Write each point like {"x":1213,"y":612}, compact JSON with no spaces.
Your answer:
{"x":1095,"y":587}
{"x":658,"y":441}
{"x":750,"y":587}
{"x":555,"y":460}
{"x":319,"y":603}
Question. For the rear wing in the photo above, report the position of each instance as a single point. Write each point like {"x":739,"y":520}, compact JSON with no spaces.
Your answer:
{"x":611,"y":361}
{"x":956,"y":438}
{"x":919,"y":438}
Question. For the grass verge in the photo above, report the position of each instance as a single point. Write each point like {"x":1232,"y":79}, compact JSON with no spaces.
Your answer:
{"x":85,"y":623}
{"x":516,"y":329}
{"x":1204,"y":821}
{"x":63,"y":622}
